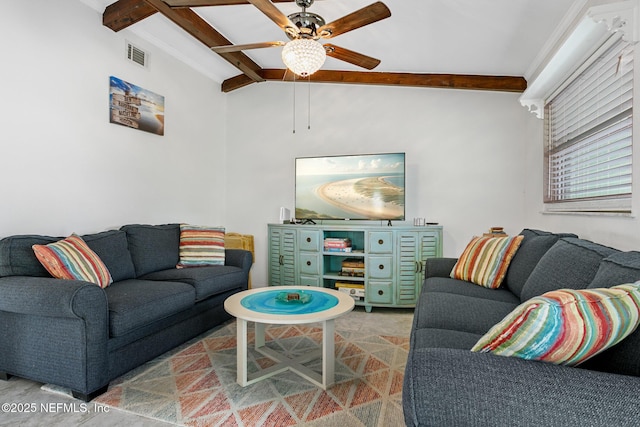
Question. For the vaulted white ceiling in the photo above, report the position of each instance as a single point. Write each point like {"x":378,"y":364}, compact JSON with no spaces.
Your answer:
{"x":480,"y":37}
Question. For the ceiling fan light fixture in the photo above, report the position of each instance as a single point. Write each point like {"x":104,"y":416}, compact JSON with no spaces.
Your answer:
{"x":304,"y":56}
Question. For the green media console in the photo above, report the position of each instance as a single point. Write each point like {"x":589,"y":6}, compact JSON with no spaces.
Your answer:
{"x":384,"y":266}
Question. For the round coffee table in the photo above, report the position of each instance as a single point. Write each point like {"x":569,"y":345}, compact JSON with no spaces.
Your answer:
{"x":286,"y":305}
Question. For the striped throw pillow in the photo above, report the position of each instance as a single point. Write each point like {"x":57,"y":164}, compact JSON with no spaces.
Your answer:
{"x":485,"y":260}
{"x":72,"y":259}
{"x":200,"y":246}
{"x":567,"y":326}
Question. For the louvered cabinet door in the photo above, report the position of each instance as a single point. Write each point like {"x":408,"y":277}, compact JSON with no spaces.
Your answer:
{"x":282,"y":256}
{"x":413,"y":250}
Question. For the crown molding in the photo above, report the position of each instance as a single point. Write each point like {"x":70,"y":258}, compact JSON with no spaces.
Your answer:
{"x":586,"y":27}
{"x":619,"y":18}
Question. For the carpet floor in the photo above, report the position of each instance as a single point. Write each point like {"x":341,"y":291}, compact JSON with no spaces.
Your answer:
{"x":195,"y":385}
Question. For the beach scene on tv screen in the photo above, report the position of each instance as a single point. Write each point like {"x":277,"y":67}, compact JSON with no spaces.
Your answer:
{"x":350,"y":187}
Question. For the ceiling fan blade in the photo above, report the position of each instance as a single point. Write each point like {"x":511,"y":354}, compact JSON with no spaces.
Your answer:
{"x":275,"y":15}
{"x":365,"y":16}
{"x":239,"y":47}
{"x":351,"y":57}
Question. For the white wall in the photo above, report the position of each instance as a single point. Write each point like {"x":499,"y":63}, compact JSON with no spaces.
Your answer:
{"x":64,"y":167}
{"x":465,"y":152}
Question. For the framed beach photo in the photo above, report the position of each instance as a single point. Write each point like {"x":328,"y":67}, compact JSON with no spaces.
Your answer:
{"x":135,"y":107}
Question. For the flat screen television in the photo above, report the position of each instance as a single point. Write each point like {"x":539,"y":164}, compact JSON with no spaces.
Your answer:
{"x":362,"y":186}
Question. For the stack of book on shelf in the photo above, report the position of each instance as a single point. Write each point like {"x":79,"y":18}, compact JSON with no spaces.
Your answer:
{"x":354,"y":290}
{"x":337,"y":244}
{"x":353,"y":267}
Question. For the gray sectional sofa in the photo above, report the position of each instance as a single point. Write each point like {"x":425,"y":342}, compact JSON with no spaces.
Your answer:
{"x":77,"y":335}
{"x":448,"y":385}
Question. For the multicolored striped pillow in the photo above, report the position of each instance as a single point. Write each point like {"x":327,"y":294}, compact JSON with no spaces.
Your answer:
{"x":567,"y":326}
{"x":200,"y":246}
{"x":485,"y":260}
{"x":72,"y":259}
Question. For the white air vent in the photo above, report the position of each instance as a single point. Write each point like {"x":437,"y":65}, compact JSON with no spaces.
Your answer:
{"x":137,"y":55}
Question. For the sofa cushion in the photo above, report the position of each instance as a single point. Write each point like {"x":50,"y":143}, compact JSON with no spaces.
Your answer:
{"x":570,"y":263}
{"x":201,"y":246}
{"x":72,"y":259}
{"x":441,"y":310}
{"x":620,"y":359}
{"x":153,"y":247}
{"x":567,"y":326}
{"x":461,"y":287}
{"x":623,"y":267}
{"x":485,"y":260}
{"x":136,"y":303}
{"x":616,"y":269}
{"x":443,"y":338}
{"x":111,"y":247}
{"x":532,"y":232}
{"x":525,"y":260}
{"x":206,"y":281}
{"x":17,"y":257}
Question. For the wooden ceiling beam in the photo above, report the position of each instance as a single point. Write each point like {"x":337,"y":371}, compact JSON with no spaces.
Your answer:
{"x":236,"y":82}
{"x":123,"y":13}
{"x":449,"y":81}
{"x":198,"y":28}
{"x":203,"y":3}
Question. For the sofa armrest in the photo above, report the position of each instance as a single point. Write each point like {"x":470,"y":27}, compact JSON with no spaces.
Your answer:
{"x":458,"y":387}
{"x":54,"y":331}
{"x":439,"y":267}
{"x":46,"y":296}
{"x":239,"y":258}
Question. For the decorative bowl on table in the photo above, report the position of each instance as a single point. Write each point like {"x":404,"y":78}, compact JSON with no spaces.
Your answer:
{"x":299,"y":297}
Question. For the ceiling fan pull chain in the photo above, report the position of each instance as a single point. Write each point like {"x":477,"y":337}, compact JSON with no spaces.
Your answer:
{"x":309,"y":105}
{"x":294,"y":102}
{"x":284,"y":78}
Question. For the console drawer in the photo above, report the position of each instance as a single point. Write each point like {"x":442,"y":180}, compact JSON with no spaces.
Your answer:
{"x":380,"y":267}
{"x":380,"y":242}
{"x":309,"y":264}
{"x":309,"y":240}
{"x":379,"y":292}
{"x":310,"y":281}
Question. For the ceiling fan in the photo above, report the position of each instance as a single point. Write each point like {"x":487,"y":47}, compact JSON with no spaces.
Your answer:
{"x":304,"y":29}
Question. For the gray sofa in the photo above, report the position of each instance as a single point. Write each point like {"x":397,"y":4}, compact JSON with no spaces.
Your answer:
{"x":77,"y":335}
{"x":448,"y":385}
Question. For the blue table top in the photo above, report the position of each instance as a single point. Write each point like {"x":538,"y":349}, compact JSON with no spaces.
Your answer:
{"x":266,"y":302}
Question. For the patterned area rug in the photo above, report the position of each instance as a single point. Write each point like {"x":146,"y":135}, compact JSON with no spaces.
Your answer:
{"x":195,"y":385}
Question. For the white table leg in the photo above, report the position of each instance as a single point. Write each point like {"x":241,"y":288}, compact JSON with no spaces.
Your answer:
{"x":241,"y":354}
{"x":328,"y":354}
{"x":259,"y":335}
{"x":259,"y":341}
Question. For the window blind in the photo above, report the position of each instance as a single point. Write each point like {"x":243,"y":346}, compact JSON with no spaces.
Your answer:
{"x":588,"y":133}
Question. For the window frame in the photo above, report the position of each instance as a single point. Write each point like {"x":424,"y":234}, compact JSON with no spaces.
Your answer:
{"x":554,"y":202}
